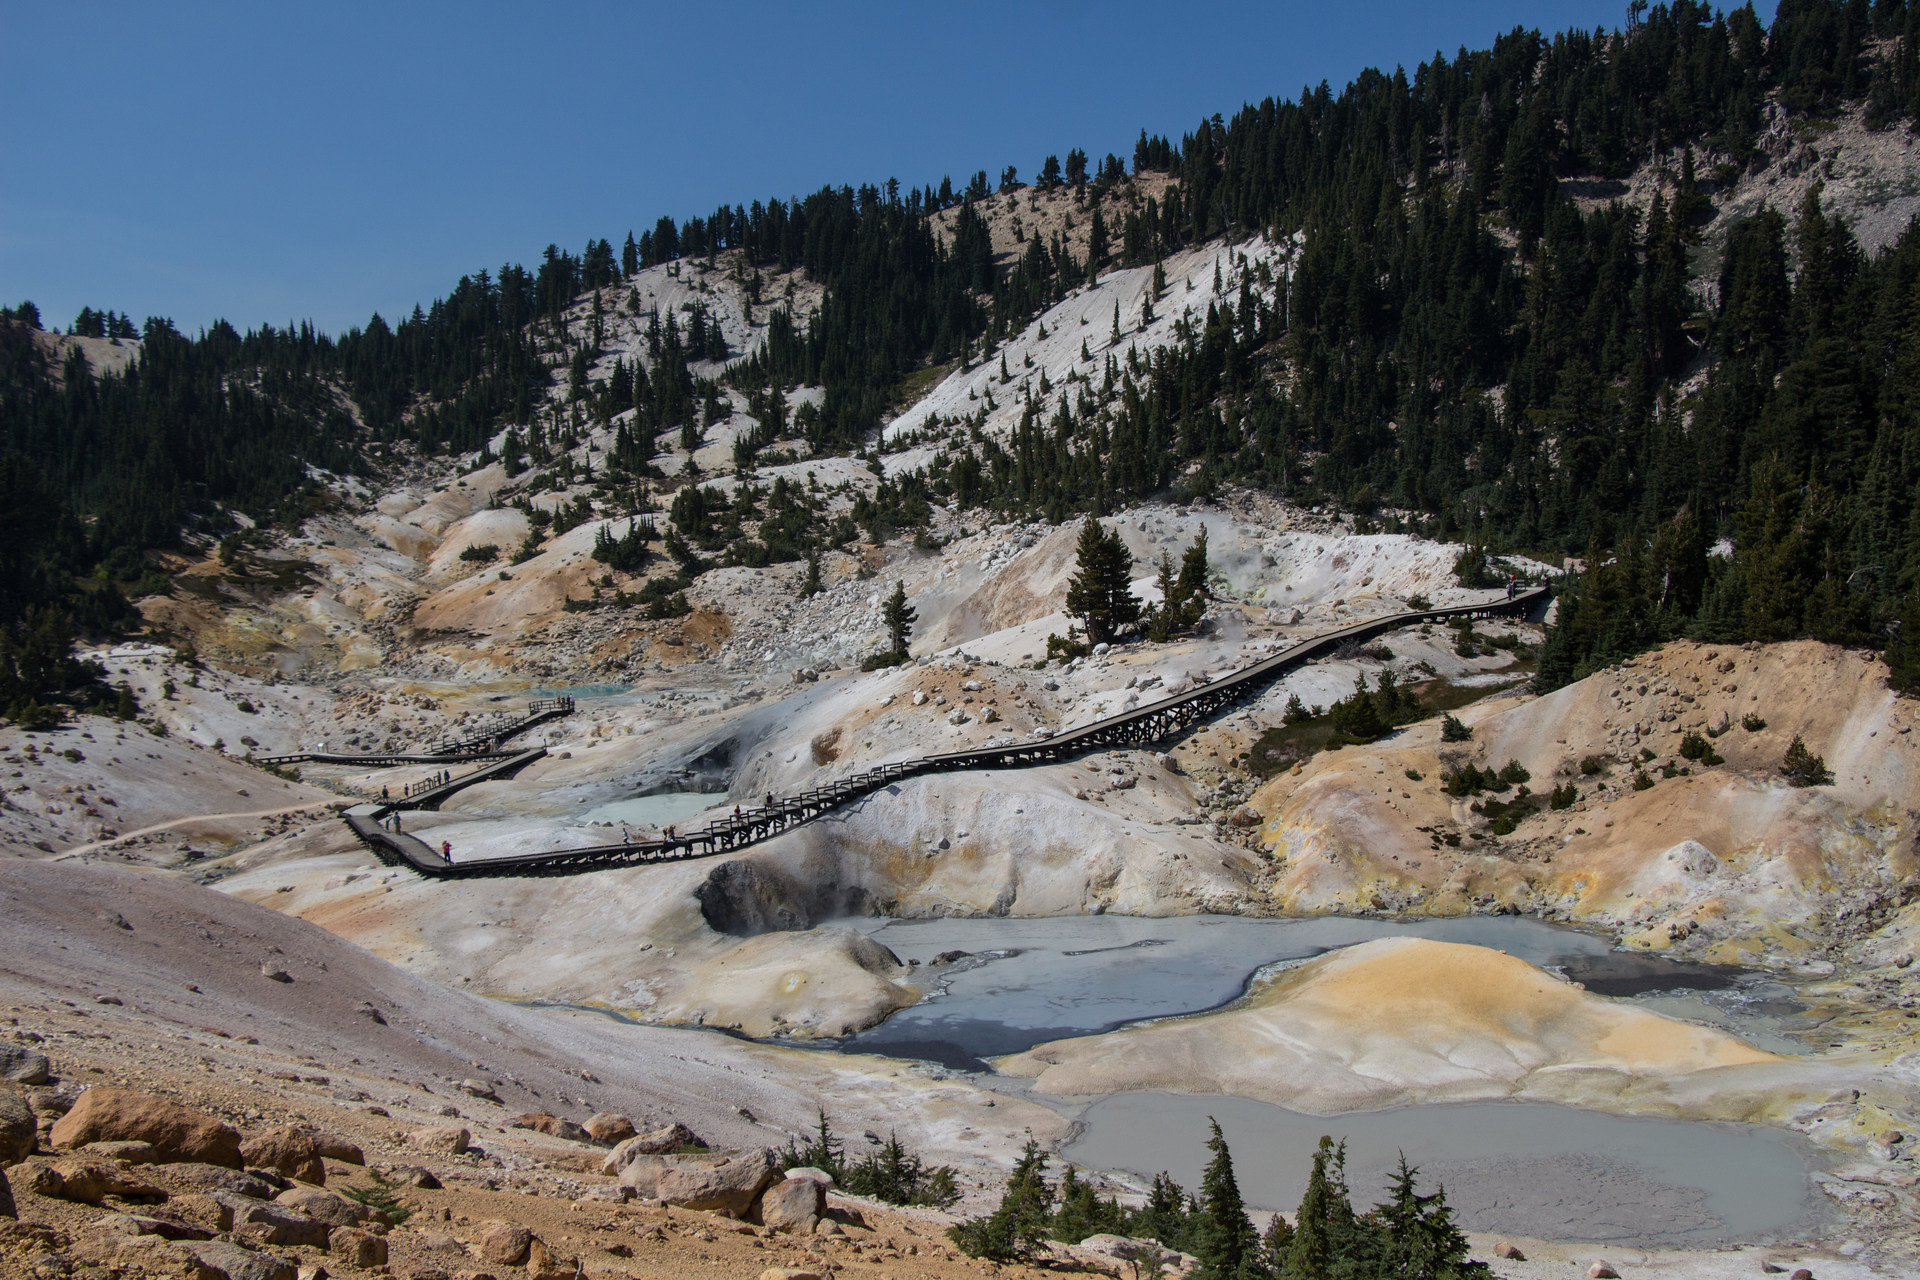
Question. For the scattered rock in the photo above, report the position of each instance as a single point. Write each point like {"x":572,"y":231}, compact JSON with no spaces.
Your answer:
{"x":449,"y":1140}
{"x":23,"y":1066}
{"x":479,"y":1089}
{"x":1801,"y":1273}
{"x":1510,"y":1252}
{"x":177,"y":1133}
{"x":793,"y":1205}
{"x":357,"y":1248}
{"x":289,"y":1151}
{"x":791,"y":1273}
{"x":371,"y":1014}
{"x":812,"y":1174}
{"x":957,"y":716}
{"x":7,"y":1209}
{"x":609,"y":1128}
{"x":274,"y":973}
{"x":505,"y":1244}
{"x":1245,"y":816}
{"x":139,"y":1224}
{"x":1601,"y":1271}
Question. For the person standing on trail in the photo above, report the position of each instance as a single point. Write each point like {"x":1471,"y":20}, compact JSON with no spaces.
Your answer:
{"x":383,"y":792}
{"x":446,"y":851}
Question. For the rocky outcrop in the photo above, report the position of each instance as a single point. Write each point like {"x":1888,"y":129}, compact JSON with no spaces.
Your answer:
{"x":124,"y":1115}
{"x":667,"y":1138}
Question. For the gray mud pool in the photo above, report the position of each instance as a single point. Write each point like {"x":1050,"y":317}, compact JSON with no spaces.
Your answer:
{"x":1005,"y":985}
{"x":1510,"y":1168}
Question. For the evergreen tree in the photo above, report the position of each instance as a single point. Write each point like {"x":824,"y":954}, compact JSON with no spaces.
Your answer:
{"x":1324,"y":1226}
{"x":1225,"y":1242}
{"x":1419,"y":1240}
{"x":1101,"y":591}
{"x":1191,"y":590}
{"x":899,"y":617}
{"x":1019,"y":1223}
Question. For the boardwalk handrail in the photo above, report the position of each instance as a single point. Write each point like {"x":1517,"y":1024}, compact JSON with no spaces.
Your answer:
{"x":483,"y":746}
{"x":1142,"y":726}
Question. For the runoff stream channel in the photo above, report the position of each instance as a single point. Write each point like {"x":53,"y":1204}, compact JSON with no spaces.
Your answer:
{"x":1005,"y":985}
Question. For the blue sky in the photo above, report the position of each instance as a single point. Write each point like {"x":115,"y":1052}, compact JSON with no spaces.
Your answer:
{"x":271,"y":162}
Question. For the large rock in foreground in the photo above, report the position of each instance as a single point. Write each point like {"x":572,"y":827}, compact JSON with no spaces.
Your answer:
{"x":125,"y":1115}
{"x":718,"y":1182}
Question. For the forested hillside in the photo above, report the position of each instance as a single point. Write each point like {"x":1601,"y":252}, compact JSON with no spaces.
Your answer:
{"x":1465,"y":344}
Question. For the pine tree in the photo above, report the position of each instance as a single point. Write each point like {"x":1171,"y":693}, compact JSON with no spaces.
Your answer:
{"x":1191,"y":590}
{"x":1417,"y":1235}
{"x":811,"y":585}
{"x":900,"y":617}
{"x":1324,"y":1225}
{"x":1101,"y":591}
{"x":1226,"y":1243}
{"x":1019,"y":1224}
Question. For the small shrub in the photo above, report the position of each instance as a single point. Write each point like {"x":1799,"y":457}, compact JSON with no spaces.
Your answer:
{"x":1752,"y":723}
{"x":72,"y":755}
{"x":1646,"y":754}
{"x":1563,"y":796}
{"x":1296,"y":712}
{"x":1514,"y":772}
{"x":1642,"y":781}
{"x":244,"y":707}
{"x":881,"y":661}
{"x":1453,"y":730}
{"x":383,"y":1195}
{"x":481,"y":553}
{"x":1068,"y":647}
{"x":1419,"y":603}
{"x":1694,"y":746}
{"x":1592,"y":765}
{"x":1413,"y":775}
{"x":1802,"y":768}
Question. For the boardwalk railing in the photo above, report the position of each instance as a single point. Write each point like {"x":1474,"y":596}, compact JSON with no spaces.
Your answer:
{"x":484,"y":746}
{"x":1143,"y":726}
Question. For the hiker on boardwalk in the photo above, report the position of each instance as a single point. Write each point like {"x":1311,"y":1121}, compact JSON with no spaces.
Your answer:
{"x":446,"y":851}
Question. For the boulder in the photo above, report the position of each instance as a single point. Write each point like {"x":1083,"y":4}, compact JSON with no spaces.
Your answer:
{"x":232,"y":1262}
{"x":812,"y":1174}
{"x":725,"y":1182}
{"x":544,"y":1262}
{"x":412,"y":1175}
{"x":791,"y":1273}
{"x":89,"y":1180}
{"x":551,"y":1125}
{"x":673,"y":1137}
{"x":479,"y":1089}
{"x":188,"y":1177}
{"x":357,"y":1248}
{"x":126,"y":1115}
{"x":23,"y":1066}
{"x":140,"y":1224}
{"x":19,"y":1131}
{"x":288,"y":1151}
{"x":334,"y":1147}
{"x":130,"y":1152}
{"x":504,"y":1244}
{"x":270,"y":1224}
{"x":325,"y":1206}
{"x":1600,"y":1270}
{"x":449,"y":1140}
{"x":1510,"y":1252}
{"x":793,"y":1205}
{"x":609,"y":1128}
{"x":141,"y":1256}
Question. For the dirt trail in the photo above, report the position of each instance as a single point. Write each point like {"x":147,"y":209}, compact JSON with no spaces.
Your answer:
{"x":77,"y":850}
